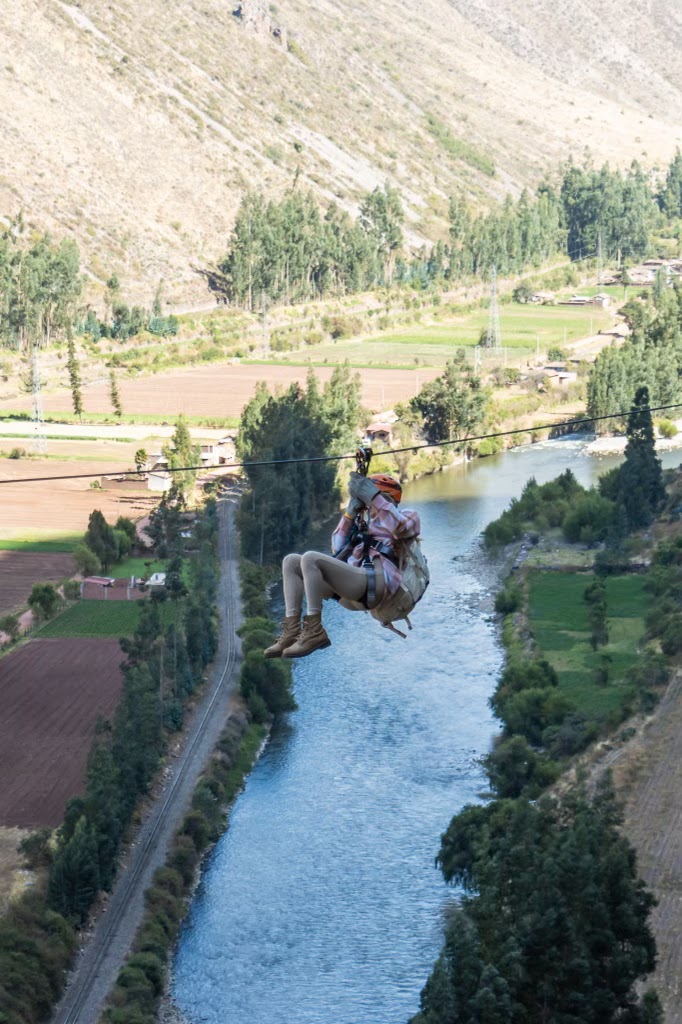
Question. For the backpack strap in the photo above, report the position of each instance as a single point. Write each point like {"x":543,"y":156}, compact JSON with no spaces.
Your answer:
{"x":389,"y":625}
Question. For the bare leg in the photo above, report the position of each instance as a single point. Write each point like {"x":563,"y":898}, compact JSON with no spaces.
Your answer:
{"x":293,"y":585}
{"x":324,"y":576}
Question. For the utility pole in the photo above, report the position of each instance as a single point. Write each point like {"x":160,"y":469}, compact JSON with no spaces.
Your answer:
{"x":493,"y":338}
{"x":600,"y":260}
{"x":39,"y":441}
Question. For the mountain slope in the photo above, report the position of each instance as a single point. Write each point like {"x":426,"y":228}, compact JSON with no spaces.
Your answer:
{"x":138,"y":124}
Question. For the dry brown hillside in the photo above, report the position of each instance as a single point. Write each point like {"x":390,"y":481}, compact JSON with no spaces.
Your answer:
{"x":138,"y":124}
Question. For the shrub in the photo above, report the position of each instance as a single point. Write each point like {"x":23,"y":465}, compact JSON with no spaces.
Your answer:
{"x":508,"y":599}
{"x":666,"y":428}
{"x":72,"y":590}
{"x":9,"y":624}
{"x":18,"y":453}
{"x":589,"y":519}
{"x":44,"y":600}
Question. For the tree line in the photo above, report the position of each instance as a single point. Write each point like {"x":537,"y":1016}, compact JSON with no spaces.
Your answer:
{"x":540,"y":727}
{"x":165,"y":660}
{"x":652,"y":355}
{"x":41,"y":286}
{"x":289,"y":250}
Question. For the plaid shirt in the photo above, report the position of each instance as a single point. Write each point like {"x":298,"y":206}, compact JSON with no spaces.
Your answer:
{"x":388,"y":524}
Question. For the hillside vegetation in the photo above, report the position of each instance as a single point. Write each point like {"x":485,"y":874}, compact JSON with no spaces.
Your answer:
{"x":137,"y":127}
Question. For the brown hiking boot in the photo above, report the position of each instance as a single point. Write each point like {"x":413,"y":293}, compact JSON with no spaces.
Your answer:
{"x":313,"y":637}
{"x":291,"y":628}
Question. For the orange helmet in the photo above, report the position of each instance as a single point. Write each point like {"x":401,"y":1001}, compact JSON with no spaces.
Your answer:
{"x":387,"y":485}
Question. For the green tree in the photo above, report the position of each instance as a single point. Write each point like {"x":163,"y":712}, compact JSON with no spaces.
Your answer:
{"x":641,"y":477}
{"x":554,"y":922}
{"x":43,"y":600}
{"x":74,"y":878}
{"x":140,"y":459}
{"x":86,"y":561}
{"x":381,"y":218}
{"x":181,"y":453}
{"x":9,"y":624}
{"x":74,"y":377}
{"x":452,"y":405}
{"x":100,"y":538}
{"x":114,"y":394}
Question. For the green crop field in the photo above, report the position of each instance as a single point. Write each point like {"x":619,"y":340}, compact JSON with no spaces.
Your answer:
{"x":523,"y":328}
{"x":94,"y":618}
{"x":558,"y":618}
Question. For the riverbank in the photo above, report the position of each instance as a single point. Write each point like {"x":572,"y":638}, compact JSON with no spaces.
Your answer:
{"x":626,"y":691}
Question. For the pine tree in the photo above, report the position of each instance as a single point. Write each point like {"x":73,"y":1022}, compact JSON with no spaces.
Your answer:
{"x":74,"y":878}
{"x":641,"y":476}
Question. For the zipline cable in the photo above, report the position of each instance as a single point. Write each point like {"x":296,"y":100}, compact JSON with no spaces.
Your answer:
{"x":340,"y":458}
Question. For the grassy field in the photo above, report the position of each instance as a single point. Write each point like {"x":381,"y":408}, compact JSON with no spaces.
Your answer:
{"x":138,"y":567}
{"x":51,"y":542}
{"x":558,"y":618}
{"x":522,"y":329}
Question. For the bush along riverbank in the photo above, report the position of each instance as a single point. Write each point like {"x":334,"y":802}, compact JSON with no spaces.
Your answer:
{"x":552,"y":921}
{"x":265,"y":686}
{"x":165,"y":663}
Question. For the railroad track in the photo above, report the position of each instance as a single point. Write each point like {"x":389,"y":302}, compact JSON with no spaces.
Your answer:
{"x":97,"y":971}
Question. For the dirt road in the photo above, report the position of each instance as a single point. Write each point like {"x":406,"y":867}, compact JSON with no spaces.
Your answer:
{"x":103,"y":955}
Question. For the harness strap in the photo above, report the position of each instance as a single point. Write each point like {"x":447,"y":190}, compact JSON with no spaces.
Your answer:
{"x":371,"y":596}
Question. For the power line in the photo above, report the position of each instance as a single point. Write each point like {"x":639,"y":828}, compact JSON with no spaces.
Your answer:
{"x":340,"y":458}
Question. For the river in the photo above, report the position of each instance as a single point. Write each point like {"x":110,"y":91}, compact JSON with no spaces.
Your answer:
{"x":321,"y":903}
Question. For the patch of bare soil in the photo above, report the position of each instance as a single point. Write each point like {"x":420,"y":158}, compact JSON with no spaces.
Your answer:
{"x":52,"y":693}
{"x":647,"y":772}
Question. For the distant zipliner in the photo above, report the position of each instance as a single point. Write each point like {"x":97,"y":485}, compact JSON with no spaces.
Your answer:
{"x":376,"y":565}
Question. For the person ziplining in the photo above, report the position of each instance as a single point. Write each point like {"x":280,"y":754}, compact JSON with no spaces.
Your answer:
{"x":376,"y":565}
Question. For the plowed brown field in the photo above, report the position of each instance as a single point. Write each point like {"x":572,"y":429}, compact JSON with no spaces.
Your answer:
{"x":19,"y":570}
{"x":224,"y":390}
{"x":60,"y":506}
{"x":51,"y":692}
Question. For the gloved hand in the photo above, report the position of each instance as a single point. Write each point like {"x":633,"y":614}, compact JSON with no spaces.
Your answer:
{"x":353,"y":507}
{"x":362,"y":488}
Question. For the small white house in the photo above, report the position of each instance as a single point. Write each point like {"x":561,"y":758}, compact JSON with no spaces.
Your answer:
{"x":157,"y":579}
{"x":159,"y":480}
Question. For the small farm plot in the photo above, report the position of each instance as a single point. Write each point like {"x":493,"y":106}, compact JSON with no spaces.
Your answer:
{"x":19,"y":570}
{"x":101,"y":619}
{"x":559,"y":619}
{"x":94,"y":619}
{"x":52,"y":693}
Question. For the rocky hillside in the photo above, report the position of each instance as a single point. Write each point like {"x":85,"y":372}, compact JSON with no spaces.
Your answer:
{"x":138,"y":124}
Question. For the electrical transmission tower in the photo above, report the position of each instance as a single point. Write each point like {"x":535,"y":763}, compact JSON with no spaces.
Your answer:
{"x":39,"y":441}
{"x":493,"y":338}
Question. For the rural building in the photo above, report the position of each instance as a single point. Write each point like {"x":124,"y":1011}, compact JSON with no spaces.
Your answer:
{"x":602,"y":300}
{"x":381,"y":432}
{"x":157,"y":580}
{"x":561,"y":378}
{"x":542,"y":298}
{"x":159,"y":480}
